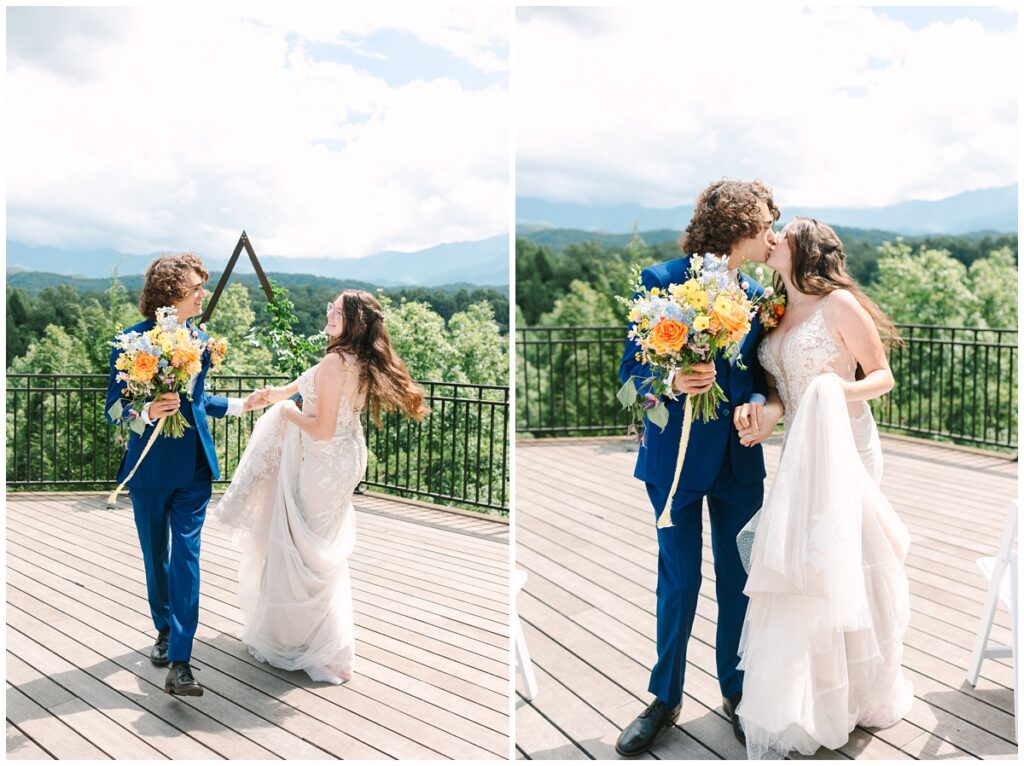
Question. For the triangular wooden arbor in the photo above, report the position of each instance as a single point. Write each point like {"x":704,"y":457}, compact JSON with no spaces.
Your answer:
{"x":243,"y":242}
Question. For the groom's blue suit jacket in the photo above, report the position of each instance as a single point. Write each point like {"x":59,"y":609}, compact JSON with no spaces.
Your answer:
{"x":709,"y":442}
{"x":171,"y":463}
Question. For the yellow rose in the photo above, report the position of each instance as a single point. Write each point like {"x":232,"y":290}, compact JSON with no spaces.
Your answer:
{"x":701,"y":322}
{"x":668,"y":335}
{"x":730,"y":315}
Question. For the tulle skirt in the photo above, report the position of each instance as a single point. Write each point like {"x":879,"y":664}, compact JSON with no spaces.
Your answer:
{"x":822,"y":642}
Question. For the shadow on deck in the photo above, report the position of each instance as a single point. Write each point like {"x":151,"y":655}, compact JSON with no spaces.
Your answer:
{"x":431,"y":677}
{"x":585,"y":536}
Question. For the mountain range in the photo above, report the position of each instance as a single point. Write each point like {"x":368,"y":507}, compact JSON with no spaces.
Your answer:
{"x":991,"y":210}
{"x":482,"y":262}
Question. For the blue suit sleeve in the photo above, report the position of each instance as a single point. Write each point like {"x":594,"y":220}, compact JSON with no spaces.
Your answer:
{"x":760,"y":383}
{"x":216,"y":406}
{"x":114,"y":388}
{"x":629,"y":366}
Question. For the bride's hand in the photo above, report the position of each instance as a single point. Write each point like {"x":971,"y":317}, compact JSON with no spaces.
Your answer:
{"x":748,"y":417}
{"x":768,"y":417}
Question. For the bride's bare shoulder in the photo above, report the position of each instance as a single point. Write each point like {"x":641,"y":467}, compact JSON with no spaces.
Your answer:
{"x":842,"y":311}
{"x":340,"y":362}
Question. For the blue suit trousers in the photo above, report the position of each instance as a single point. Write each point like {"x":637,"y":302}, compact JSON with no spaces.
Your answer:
{"x":170,"y":523}
{"x":731,"y":505}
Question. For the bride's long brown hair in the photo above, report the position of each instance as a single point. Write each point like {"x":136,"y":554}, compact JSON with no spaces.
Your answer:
{"x":382,"y":374}
{"x":819,"y":268}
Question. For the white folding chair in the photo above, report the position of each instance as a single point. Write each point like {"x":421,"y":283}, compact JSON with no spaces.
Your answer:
{"x":1001,"y":572}
{"x":523,"y":664}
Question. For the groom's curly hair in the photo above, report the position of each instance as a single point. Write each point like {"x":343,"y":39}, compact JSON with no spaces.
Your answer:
{"x":726,"y":213}
{"x":167,"y":280}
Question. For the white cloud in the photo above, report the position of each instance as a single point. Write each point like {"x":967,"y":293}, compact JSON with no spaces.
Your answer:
{"x":830,"y":106}
{"x":157,"y":129}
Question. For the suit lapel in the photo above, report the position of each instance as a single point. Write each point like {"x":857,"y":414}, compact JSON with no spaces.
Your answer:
{"x":755,"y":324}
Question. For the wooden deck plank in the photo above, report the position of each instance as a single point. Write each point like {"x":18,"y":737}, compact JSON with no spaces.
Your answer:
{"x":465,"y":727}
{"x":21,"y":748}
{"x":585,"y":537}
{"x":540,"y":738}
{"x":431,"y":603}
{"x":43,"y":725}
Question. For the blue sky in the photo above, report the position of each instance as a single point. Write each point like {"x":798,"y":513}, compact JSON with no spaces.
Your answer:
{"x":832,"y":106}
{"x":335,"y":132}
{"x":994,"y":19}
{"x":399,"y":57}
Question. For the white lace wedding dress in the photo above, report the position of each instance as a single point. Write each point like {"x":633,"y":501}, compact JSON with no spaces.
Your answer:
{"x":291,"y":500}
{"x":821,"y":646}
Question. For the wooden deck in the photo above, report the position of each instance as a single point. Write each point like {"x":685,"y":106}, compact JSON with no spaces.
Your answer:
{"x":584,"y":534}
{"x":431,"y":611}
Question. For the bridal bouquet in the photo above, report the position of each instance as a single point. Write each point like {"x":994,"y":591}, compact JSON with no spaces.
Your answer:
{"x":158,"y":361}
{"x":686,"y":323}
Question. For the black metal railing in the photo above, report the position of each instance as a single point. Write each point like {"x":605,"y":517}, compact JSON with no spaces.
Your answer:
{"x":952,"y":383}
{"x":58,"y":438}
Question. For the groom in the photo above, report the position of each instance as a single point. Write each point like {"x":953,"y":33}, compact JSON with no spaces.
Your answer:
{"x":173,"y":484}
{"x":733,"y":218}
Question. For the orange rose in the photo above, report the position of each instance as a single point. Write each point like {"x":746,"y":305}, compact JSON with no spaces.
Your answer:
{"x":185,"y":356}
{"x":668,"y":335}
{"x":145,"y":367}
{"x":732,"y":316}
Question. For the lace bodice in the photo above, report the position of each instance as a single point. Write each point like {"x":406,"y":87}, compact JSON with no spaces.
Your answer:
{"x":352,"y":400}
{"x":800,"y":355}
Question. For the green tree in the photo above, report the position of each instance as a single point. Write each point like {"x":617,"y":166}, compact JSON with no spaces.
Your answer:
{"x":418,"y":336}
{"x":927,"y":287}
{"x":583,"y":306}
{"x":18,"y":337}
{"x":481,"y":353}
{"x":993,"y":281}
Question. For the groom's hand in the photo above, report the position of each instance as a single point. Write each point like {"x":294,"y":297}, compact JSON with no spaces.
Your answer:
{"x":164,"y":405}
{"x":699,"y":379}
{"x":255,"y":400}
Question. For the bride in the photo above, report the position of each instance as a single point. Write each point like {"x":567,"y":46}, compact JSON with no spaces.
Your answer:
{"x":822,"y":640}
{"x":291,"y":495}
